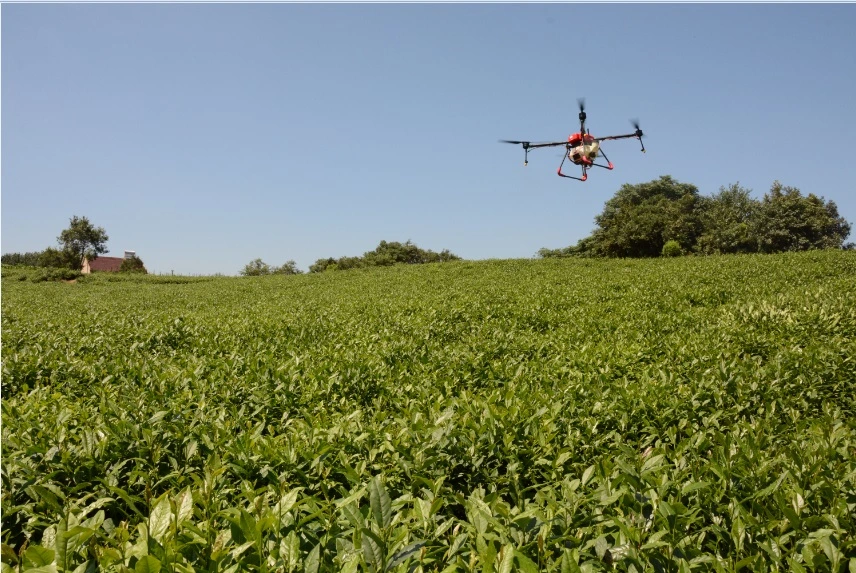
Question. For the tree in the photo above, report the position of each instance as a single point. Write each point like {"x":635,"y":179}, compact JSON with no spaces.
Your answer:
{"x":133,"y":265}
{"x":729,"y":222}
{"x":255,"y":268}
{"x":288,"y":268}
{"x":60,"y":259}
{"x":640,"y":218}
{"x":788,"y":221}
{"x":22,"y":259}
{"x":82,"y":239}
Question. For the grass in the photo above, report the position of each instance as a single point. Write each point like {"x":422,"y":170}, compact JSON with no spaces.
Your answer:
{"x":686,"y":414}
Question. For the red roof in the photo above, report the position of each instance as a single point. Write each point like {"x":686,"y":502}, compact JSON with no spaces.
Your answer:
{"x":109,"y":264}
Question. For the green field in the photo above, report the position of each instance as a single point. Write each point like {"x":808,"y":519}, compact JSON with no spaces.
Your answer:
{"x":688,"y":414}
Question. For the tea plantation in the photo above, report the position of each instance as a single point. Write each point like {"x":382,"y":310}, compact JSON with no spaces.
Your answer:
{"x":687,"y":414}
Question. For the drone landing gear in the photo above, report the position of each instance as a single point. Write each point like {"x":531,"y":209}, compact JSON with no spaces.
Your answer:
{"x":610,"y":166}
{"x":583,"y":178}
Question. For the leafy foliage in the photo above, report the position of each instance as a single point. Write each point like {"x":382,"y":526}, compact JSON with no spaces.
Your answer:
{"x":790,"y":222}
{"x":386,"y":254}
{"x":39,"y":274}
{"x":672,"y":249}
{"x":674,"y":415}
{"x":21,"y":259}
{"x":640,"y":219}
{"x":49,"y":258}
{"x":255,"y":268}
{"x":82,"y":239}
{"x":258,"y":267}
{"x":730,"y":220}
{"x":133,"y":264}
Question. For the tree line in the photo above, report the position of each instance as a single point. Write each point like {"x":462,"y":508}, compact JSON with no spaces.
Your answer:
{"x":384,"y":255}
{"x":665,"y":217}
{"x":80,"y":240}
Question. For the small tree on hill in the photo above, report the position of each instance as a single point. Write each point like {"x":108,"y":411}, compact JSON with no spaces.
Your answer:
{"x":255,"y":268}
{"x":82,"y":239}
{"x":288,"y":268}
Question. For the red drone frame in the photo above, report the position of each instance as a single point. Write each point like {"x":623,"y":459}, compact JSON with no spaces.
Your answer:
{"x":581,"y":148}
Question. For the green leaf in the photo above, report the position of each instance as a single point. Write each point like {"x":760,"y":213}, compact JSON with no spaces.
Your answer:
{"x":653,"y":462}
{"x":8,"y":554}
{"x":525,"y":564}
{"x":313,"y":560}
{"x":380,"y":502}
{"x":147,"y":564}
{"x":506,"y":560}
{"x":61,"y":543}
{"x":587,"y":475}
{"x":692,"y":486}
{"x":248,"y":526}
{"x":372,"y":549}
{"x":48,"y":497}
{"x":38,"y":556}
{"x":289,"y":550}
{"x":831,"y":550}
{"x":568,"y":565}
{"x":184,"y":506}
{"x":405,"y":554}
{"x":160,"y":518}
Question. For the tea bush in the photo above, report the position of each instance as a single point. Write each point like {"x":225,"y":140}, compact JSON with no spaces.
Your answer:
{"x":685,"y":414}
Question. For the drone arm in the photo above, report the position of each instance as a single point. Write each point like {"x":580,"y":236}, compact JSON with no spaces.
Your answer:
{"x":626,"y":136}
{"x":551,"y":144}
{"x":610,"y":137}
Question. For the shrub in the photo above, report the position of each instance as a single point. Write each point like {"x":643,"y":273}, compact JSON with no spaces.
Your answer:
{"x":672,"y":249}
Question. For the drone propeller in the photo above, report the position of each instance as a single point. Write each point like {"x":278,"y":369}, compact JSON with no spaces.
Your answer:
{"x":639,"y":134}
{"x":582,"y":103}
{"x":525,"y":144}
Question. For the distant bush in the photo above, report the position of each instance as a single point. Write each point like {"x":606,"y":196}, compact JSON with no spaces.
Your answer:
{"x":48,"y":274}
{"x":133,"y":265}
{"x":258,"y":267}
{"x":386,"y":254}
{"x":672,"y":249}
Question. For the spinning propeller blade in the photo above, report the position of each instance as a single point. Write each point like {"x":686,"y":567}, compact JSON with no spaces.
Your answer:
{"x":635,"y":124}
{"x":525,"y":144}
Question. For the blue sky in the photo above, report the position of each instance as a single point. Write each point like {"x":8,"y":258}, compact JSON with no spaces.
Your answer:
{"x":205,"y":136}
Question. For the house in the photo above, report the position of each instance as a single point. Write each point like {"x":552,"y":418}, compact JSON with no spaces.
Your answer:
{"x":105,"y":264}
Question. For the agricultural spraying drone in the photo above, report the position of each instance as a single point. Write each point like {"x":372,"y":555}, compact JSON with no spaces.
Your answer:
{"x":581,"y":148}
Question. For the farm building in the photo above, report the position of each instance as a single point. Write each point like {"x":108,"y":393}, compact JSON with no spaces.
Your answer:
{"x":105,"y":264}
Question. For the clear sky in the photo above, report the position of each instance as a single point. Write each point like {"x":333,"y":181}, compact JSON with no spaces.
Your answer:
{"x":205,"y":136}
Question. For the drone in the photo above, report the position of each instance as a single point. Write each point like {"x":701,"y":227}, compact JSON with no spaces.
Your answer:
{"x":581,"y":148}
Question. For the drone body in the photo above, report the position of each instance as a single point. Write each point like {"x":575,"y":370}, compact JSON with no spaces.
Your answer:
{"x":581,"y":148}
